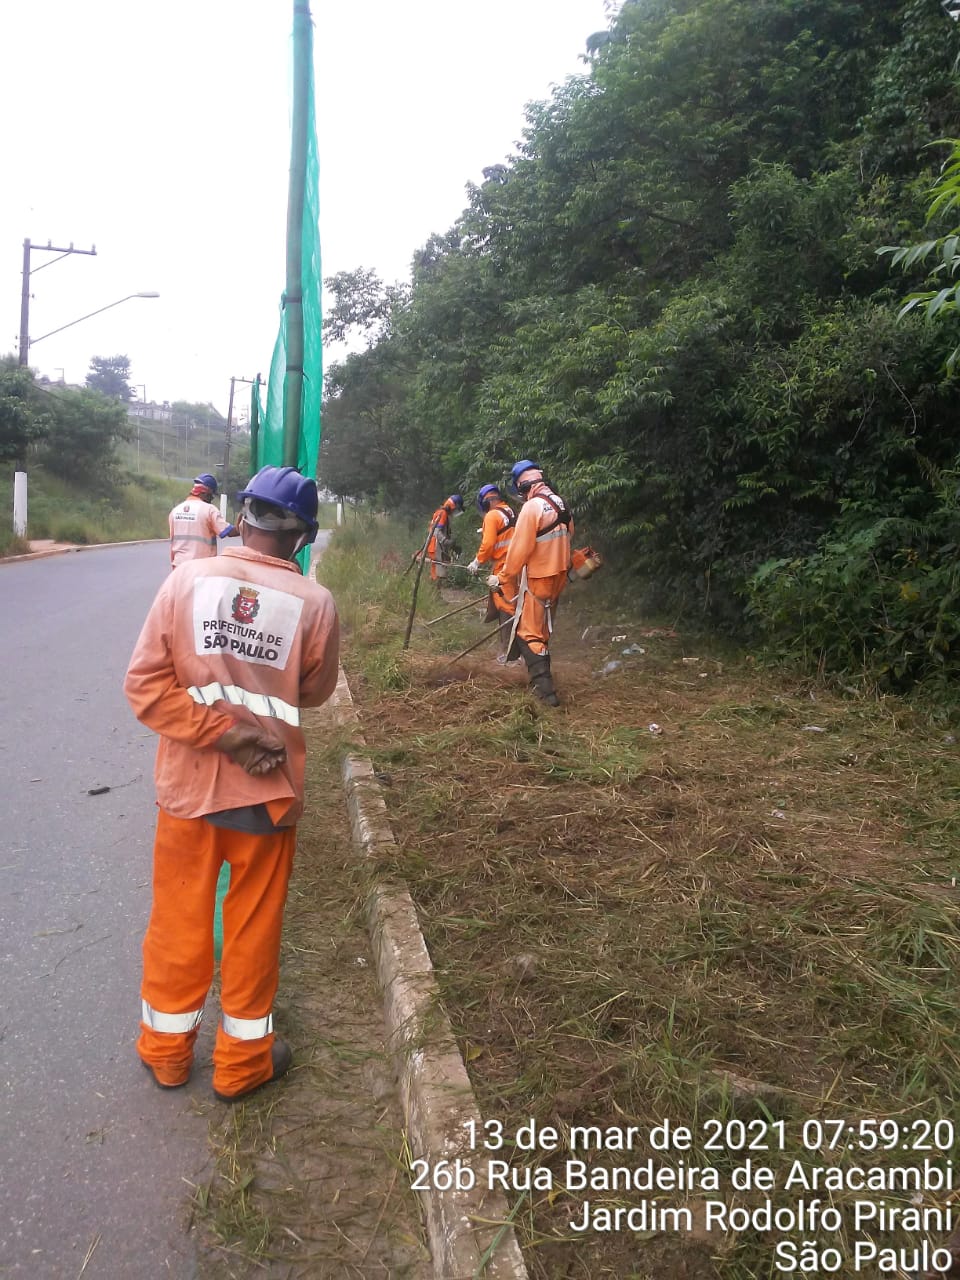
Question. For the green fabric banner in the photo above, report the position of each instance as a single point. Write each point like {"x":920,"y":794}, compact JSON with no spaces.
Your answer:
{"x":280,"y":423}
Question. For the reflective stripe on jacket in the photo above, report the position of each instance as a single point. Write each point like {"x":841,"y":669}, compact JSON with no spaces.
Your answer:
{"x":544,"y":551}
{"x":195,"y":526}
{"x":241,"y":637}
{"x":498,"y":526}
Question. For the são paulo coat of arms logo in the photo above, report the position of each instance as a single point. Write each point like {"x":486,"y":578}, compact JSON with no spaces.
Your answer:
{"x":245,"y":604}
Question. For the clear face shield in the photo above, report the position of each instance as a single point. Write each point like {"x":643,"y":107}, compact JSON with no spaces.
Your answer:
{"x":271,"y":519}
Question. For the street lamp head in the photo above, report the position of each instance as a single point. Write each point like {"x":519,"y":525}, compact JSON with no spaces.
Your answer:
{"x":147,"y":294}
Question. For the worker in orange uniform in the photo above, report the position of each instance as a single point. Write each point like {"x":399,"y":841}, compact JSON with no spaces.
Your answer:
{"x":439,"y":544}
{"x":535,"y":572}
{"x":196,"y":524}
{"x":499,"y":520}
{"x":231,"y":649}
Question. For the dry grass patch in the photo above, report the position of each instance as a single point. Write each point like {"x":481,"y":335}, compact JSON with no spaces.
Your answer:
{"x":310,"y":1176}
{"x":625,"y":920}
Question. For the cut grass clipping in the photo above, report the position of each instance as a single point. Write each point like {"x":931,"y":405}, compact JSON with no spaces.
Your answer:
{"x":747,"y":916}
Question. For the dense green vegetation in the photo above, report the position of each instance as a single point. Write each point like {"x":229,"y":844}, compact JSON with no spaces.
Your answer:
{"x":95,"y":474}
{"x":673,"y":295}
{"x":72,"y":433}
{"x":134,"y":507}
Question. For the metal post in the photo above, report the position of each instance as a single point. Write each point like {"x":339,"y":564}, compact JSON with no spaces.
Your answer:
{"x":20,"y":503}
{"x":226,"y":442}
{"x":25,"y":306}
{"x":293,"y":294}
{"x":49,"y":247}
{"x":254,"y":424}
{"x":139,"y":386}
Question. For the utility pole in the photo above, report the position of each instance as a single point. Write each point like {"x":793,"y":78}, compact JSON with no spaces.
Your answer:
{"x":252,"y":382}
{"x":300,"y":129}
{"x":28,"y":247}
{"x":255,"y":424}
{"x":139,"y":386}
{"x":226,"y":441}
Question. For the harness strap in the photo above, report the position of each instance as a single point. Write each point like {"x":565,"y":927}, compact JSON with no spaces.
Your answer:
{"x":564,"y":515}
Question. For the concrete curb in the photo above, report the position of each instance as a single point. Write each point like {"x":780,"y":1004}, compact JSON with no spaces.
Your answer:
{"x":438,"y":1101}
{"x":80,"y":546}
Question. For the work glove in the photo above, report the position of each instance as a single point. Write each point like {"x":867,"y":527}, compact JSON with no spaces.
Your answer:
{"x":493,"y":582}
{"x":473,"y":566}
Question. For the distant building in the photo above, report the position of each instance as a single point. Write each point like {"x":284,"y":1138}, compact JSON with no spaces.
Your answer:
{"x":155,"y":412}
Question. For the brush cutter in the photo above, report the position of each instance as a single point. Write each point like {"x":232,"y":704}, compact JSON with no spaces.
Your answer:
{"x":459,"y":609}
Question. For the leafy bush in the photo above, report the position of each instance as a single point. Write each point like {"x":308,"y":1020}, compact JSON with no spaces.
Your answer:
{"x":881,"y":598}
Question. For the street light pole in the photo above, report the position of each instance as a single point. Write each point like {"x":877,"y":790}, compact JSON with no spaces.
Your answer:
{"x":139,"y":386}
{"x":148,"y":294}
{"x":24,"y":355}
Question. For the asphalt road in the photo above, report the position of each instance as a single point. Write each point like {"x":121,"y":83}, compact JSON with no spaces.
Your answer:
{"x":94,"y":1158}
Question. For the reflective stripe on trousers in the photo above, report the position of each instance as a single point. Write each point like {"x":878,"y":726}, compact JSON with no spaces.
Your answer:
{"x":261,"y":704}
{"x":174,"y":1024}
{"x":247,"y":1028}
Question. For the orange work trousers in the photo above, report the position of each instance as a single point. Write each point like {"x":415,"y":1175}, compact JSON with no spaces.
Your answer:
{"x":539,"y":609}
{"x":178,"y":949}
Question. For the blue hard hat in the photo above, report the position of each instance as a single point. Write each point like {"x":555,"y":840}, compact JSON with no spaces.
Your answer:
{"x":456,"y":500}
{"x":517,"y":470}
{"x":286,"y":488}
{"x":483,"y":494}
{"x":208,"y":481}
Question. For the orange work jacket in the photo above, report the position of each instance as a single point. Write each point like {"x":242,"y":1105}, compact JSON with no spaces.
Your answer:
{"x":243,"y":637}
{"x":540,"y":542}
{"x":440,"y":528}
{"x":195,"y":526}
{"x":498,"y":526}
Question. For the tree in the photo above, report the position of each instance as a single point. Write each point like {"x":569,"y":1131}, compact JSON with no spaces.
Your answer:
{"x":110,"y":375}
{"x":670,"y":296}
{"x":371,"y":446}
{"x":361,"y":301}
{"x":237,"y":475}
{"x":937,"y":303}
{"x":80,"y":443}
{"x":197,"y":414}
{"x":22,"y":417}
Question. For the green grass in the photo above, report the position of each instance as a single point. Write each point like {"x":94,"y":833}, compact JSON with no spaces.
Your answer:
{"x":135,"y":508}
{"x":11,"y":545}
{"x":628,"y":926}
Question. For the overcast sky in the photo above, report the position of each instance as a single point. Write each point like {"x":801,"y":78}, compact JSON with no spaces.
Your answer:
{"x":159,"y":132}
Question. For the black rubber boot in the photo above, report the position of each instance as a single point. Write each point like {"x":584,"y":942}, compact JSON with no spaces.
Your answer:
{"x":538,"y":669}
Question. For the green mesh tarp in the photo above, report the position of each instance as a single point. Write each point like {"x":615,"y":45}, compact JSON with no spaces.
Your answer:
{"x":289,"y":419}
{"x":276,"y":427}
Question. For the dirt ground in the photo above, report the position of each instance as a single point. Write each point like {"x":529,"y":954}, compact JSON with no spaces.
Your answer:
{"x":699,"y":889}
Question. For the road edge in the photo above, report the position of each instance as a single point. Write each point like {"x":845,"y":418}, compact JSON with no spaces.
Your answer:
{"x":79,"y":546}
{"x":469,"y":1229}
